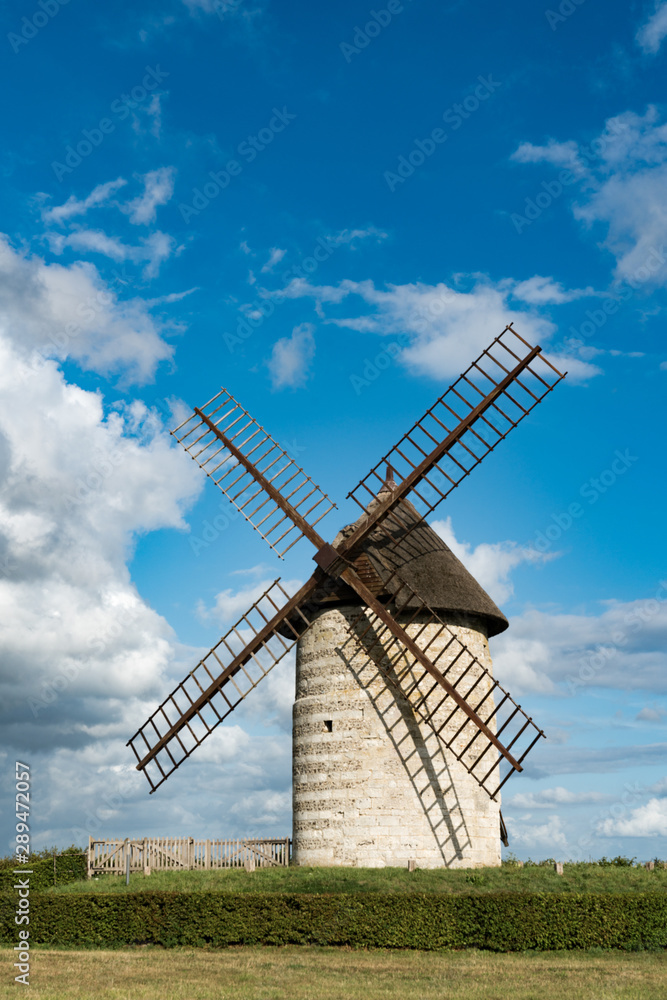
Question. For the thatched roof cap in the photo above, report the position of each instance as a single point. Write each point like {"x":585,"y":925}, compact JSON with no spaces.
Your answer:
{"x":425,"y":563}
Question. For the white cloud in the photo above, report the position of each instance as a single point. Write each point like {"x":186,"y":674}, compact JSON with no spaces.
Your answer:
{"x":623,"y":647}
{"x":649,"y":820}
{"x":447,"y":326}
{"x":243,"y":10}
{"x":81,"y":650}
{"x":100,"y":195}
{"x":230,"y":605}
{"x":547,"y":835}
{"x":651,"y":715}
{"x":490,"y":564}
{"x":275,"y":256}
{"x":152,"y":250}
{"x":547,"y":798}
{"x":153,"y":111}
{"x":49,"y":310}
{"x":291,"y":357}
{"x":652,"y":32}
{"x":85,"y":658}
{"x":353,"y":237}
{"x":540,"y":291}
{"x":158,"y":189}
{"x":624,"y":189}
{"x":269,"y":810}
{"x":560,"y":154}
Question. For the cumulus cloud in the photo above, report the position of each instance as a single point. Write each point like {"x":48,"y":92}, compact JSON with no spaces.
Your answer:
{"x":51,"y":310}
{"x":291,"y":357}
{"x":158,"y":189}
{"x":549,"y":835}
{"x":76,"y":488}
{"x":446,"y":326}
{"x":651,"y":34}
{"x":649,"y":820}
{"x":490,"y":563}
{"x":85,"y":658}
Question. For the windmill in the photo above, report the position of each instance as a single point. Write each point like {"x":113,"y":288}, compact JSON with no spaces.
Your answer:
{"x":402,"y":737}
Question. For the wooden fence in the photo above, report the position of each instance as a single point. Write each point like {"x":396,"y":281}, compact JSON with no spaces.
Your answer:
{"x":184,"y":854}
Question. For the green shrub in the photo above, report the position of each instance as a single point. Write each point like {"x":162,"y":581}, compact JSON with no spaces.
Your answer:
{"x":618,"y":862}
{"x":70,"y":865}
{"x":496,"y":922}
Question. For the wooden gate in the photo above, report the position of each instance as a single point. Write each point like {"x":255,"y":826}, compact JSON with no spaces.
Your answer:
{"x":109,"y":856}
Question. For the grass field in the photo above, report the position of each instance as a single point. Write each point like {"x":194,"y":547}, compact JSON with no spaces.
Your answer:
{"x":533,"y":878}
{"x":305,"y":973}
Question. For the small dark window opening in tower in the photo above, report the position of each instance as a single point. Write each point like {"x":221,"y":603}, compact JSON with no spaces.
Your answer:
{"x":328,"y":726}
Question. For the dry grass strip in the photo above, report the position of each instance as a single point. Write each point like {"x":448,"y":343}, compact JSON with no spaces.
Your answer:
{"x":311,"y":973}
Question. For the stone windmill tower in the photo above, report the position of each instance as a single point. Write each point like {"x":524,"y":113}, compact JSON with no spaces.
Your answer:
{"x":402,"y":737}
{"x":373,"y":784}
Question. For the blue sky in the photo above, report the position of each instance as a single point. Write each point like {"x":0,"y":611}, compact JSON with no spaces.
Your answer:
{"x":330,"y":212}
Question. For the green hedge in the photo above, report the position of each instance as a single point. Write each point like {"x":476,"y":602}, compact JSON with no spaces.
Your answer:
{"x":69,"y":867}
{"x":497,"y":922}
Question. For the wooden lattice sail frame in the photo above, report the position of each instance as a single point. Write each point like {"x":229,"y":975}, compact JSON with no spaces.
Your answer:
{"x":493,"y":395}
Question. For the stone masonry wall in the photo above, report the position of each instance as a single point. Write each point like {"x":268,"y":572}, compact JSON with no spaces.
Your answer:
{"x":371,"y":786}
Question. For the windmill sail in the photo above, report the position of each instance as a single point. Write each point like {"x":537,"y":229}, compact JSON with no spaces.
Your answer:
{"x":262,"y":481}
{"x":476,"y":413}
{"x":491,"y":397}
{"x":220,"y":681}
{"x":447,"y":688}
{"x":464,"y":688}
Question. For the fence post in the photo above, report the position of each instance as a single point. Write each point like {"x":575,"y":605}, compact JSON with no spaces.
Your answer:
{"x":207,"y":856}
